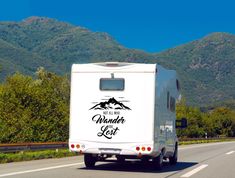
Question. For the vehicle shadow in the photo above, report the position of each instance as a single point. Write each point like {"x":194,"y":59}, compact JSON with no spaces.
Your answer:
{"x":140,"y":167}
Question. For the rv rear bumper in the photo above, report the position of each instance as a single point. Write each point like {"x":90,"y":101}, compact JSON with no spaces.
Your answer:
{"x":127,"y":148}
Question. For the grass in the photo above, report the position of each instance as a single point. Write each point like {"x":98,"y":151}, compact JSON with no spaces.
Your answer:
{"x":34,"y":155}
{"x":189,"y":142}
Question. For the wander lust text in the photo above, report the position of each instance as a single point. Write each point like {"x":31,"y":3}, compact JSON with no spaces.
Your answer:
{"x":109,"y":122}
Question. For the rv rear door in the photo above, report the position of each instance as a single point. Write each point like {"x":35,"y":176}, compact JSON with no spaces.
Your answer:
{"x":112,"y":107}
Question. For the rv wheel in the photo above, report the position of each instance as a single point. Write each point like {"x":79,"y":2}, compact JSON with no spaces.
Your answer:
{"x":89,"y":160}
{"x":158,"y":161}
{"x":173,"y":159}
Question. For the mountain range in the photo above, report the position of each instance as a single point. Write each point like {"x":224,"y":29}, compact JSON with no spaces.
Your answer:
{"x":112,"y":103}
{"x":206,"y":66}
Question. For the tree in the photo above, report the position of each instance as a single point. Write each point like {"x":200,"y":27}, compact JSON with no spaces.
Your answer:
{"x":34,"y":109}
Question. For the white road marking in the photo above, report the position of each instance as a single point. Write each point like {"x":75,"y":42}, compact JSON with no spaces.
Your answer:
{"x":229,"y":153}
{"x":194,"y":171}
{"x":41,"y":169}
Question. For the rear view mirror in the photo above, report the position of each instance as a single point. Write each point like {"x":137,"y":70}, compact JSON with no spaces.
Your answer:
{"x":181,"y":124}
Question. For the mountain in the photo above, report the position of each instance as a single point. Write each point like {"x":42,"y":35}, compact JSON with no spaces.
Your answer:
{"x":56,"y":45}
{"x":15,"y":58}
{"x":206,"y":66}
{"x":112,"y":103}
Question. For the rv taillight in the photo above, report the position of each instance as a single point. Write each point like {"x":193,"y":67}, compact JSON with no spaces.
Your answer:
{"x":137,"y":148}
{"x":72,"y":145}
{"x":77,"y":146}
{"x":149,"y":148}
{"x":143,"y":148}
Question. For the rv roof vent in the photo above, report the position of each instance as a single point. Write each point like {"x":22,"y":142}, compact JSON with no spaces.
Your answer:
{"x":113,"y":64}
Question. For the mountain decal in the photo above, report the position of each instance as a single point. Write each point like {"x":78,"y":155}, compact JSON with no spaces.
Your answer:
{"x":112,"y":103}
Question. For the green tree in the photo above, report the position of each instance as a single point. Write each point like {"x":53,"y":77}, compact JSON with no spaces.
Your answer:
{"x":222,"y":121}
{"x":34,"y":109}
{"x":194,"y":117}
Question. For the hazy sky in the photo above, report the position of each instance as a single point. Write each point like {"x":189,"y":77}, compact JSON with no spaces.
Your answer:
{"x":150,"y":25}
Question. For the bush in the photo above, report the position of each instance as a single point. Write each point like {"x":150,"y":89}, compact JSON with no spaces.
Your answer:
{"x":34,"y":155}
{"x":34,"y":110}
{"x":218,"y":122}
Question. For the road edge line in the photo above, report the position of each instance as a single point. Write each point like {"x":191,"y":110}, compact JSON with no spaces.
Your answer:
{"x":40,"y":169}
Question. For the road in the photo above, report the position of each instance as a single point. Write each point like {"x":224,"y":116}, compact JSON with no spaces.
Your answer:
{"x":214,"y":160}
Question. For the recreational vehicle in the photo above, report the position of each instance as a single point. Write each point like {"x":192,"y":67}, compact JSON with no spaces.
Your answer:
{"x":124,"y":111}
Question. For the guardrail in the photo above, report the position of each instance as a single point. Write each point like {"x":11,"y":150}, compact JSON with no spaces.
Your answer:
{"x":10,"y":148}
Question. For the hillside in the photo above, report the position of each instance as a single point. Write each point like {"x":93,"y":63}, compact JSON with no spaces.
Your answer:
{"x":14,"y":58}
{"x":206,"y":66}
{"x":61,"y":44}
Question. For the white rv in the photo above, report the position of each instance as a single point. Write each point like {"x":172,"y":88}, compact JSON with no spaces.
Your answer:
{"x":126,"y":110}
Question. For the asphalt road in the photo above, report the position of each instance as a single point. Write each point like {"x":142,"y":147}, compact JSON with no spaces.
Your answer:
{"x":216,"y":160}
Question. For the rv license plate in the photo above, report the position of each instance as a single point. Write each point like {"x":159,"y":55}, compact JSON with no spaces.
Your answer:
{"x":110,"y":151}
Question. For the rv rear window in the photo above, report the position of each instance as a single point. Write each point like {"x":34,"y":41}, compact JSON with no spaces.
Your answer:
{"x":112,"y":84}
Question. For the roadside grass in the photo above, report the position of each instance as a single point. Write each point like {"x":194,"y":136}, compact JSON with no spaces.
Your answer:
{"x":189,"y":142}
{"x":34,"y":155}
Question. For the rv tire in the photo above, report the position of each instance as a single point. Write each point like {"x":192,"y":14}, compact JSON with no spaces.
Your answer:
{"x":173,"y":159}
{"x":158,"y":161}
{"x":89,"y":160}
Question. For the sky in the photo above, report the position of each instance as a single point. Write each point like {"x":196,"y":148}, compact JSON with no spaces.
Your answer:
{"x":150,"y":25}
